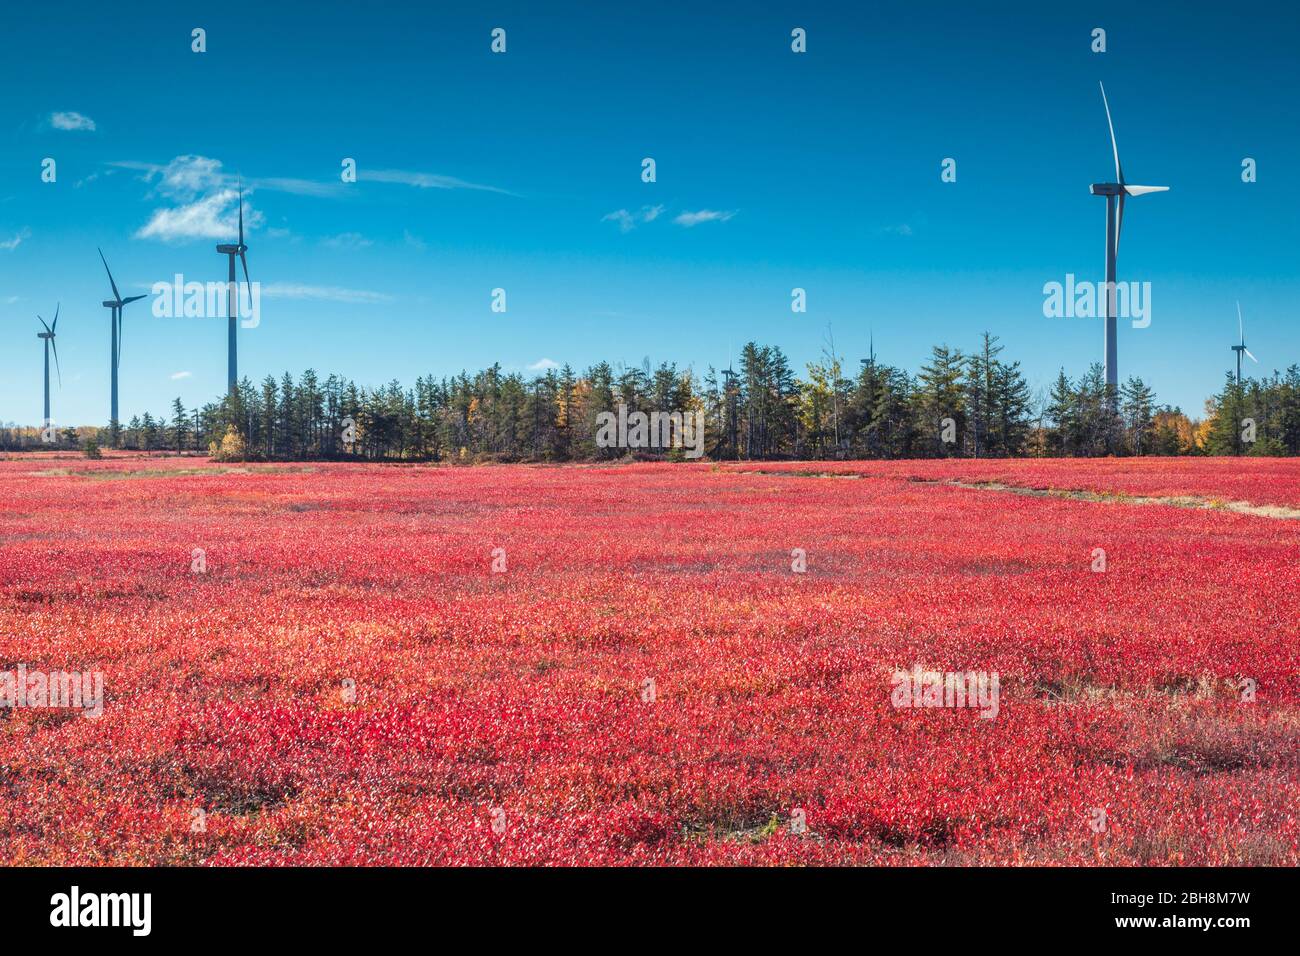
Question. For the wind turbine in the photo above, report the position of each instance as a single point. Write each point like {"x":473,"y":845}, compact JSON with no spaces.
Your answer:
{"x":1114,"y":223}
{"x":1241,"y":332}
{"x":115,"y":304}
{"x":870,"y":361}
{"x":230,"y":251}
{"x":48,"y":336}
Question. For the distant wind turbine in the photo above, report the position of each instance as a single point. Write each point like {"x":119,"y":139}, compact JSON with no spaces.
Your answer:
{"x":1114,"y":224}
{"x":115,"y":304}
{"x":870,"y":360}
{"x":48,"y":336}
{"x":1239,"y":349}
{"x":230,"y":251}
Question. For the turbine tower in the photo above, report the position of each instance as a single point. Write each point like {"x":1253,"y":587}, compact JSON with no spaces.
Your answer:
{"x":115,"y":304}
{"x":1114,"y":223}
{"x":230,"y":251}
{"x":48,"y":336}
{"x":1241,"y":333}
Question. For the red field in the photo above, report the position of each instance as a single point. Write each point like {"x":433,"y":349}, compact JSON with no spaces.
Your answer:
{"x":343,"y":678}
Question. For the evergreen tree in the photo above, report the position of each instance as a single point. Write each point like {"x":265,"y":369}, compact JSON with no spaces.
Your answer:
{"x":940,"y":396}
{"x":1137,"y":403}
{"x":180,"y":426}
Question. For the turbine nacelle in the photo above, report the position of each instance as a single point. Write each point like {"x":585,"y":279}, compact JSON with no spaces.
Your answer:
{"x":1124,"y":189}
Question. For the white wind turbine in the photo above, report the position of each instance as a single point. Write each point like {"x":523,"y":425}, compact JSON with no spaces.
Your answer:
{"x":1239,"y":349}
{"x":1114,"y":223}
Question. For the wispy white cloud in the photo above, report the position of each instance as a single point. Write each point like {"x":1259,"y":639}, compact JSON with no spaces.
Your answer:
{"x":186,"y":176}
{"x":414,"y":241}
{"x":72,"y":120}
{"x":12,"y":243}
{"x":177,"y":376}
{"x":627,"y":221}
{"x":323,"y":293}
{"x":215,"y":216}
{"x":423,"y":180}
{"x":543,"y":364}
{"x":201,"y":172}
{"x":689,"y":219}
{"x":300,"y":187}
{"x":347,"y":240}
{"x":206,"y":203}
{"x":902,"y":229}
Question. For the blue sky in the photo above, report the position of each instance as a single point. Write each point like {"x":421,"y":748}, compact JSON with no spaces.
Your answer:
{"x":479,"y":171}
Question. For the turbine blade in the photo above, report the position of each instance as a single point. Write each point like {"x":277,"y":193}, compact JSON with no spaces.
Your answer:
{"x":134,"y":298}
{"x":1143,"y":190}
{"x":57,"y":306}
{"x":1241,"y":327}
{"x":241,"y":213}
{"x":1252,"y":358}
{"x":42,"y":321}
{"x":1119,"y":172}
{"x":55,"y":346}
{"x":244,"y":262}
{"x":116,"y":294}
{"x":1119,"y":222}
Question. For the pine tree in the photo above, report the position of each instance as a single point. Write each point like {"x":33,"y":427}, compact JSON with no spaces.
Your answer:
{"x":1011,"y":399}
{"x":1137,"y":403}
{"x":180,"y":425}
{"x":1063,"y":413}
{"x":940,"y":396}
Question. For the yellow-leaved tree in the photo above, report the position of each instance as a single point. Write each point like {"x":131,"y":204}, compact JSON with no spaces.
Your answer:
{"x":232,"y":447}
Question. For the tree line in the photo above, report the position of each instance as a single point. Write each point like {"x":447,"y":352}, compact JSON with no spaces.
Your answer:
{"x":958,"y":404}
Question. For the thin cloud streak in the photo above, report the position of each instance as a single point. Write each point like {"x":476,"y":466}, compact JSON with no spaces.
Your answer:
{"x":190,"y":170}
{"x":423,"y":180}
{"x":689,"y":219}
{"x":347,"y":240}
{"x":323,"y":293}
{"x":627,"y":221}
{"x":9,"y":245}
